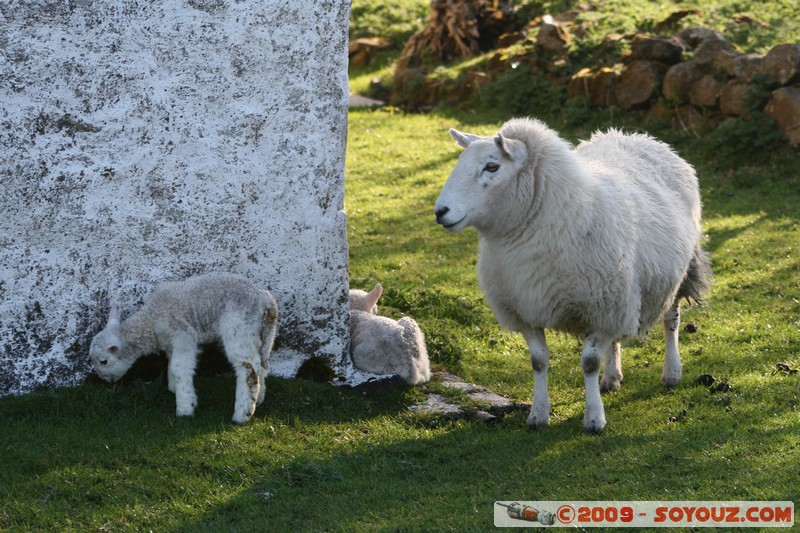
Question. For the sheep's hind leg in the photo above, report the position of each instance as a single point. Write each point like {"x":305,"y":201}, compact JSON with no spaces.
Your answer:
{"x":597,"y":344}
{"x":673,"y":370}
{"x":612,"y":368}
{"x":540,"y":361}
{"x":182,"y":365}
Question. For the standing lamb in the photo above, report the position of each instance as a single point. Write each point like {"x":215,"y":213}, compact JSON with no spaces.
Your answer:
{"x":381,"y":345}
{"x":601,"y":240}
{"x":180,"y":316}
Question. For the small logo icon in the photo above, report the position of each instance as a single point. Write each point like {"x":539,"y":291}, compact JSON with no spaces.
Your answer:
{"x":518,"y":511}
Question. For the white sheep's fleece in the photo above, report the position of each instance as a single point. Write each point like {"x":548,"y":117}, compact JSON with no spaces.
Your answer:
{"x":600,"y":240}
{"x":380,"y":345}
{"x":180,"y":316}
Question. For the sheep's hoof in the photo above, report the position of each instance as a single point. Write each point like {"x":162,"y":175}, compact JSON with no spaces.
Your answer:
{"x":538,"y":422}
{"x":594,"y":423}
{"x":671,"y":381}
{"x":593,"y":427}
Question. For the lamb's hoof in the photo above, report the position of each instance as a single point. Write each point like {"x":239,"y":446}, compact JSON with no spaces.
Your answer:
{"x":243,"y":418}
{"x":610,"y":385}
{"x":671,"y":380}
{"x":183,"y":413}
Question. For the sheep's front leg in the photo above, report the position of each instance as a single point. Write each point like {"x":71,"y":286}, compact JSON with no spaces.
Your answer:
{"x":612,"y":368}
{"x":597,"y":344}
{"x":540,"y":361}
{"x":248,"y":384}
{"x":673,"y":370}
{"x":182,"y":365}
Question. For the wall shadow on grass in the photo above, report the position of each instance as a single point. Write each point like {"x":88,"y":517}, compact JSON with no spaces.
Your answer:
{"x":450,"y":481}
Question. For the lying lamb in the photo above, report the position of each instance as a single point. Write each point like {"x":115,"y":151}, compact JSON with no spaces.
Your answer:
{"x":601,"y":240}
{"x":177,"y":318}
{"x":380,"y":345}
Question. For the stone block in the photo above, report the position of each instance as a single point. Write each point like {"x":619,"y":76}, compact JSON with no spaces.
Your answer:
{"x":639,"y":84}
{"x":784,"y":107}
{"x":678,"y":81}
{"x":782,"y":64}
{"x":150,"y":141}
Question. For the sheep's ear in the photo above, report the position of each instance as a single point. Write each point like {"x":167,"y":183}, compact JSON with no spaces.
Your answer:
{"x":374,"y":295}
{"x":113,"y":315}
{"x":463,"y":139}
{"x":511,"y":148}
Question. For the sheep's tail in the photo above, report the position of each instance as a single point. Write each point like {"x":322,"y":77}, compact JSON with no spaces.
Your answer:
{"x":269,"y":326}
{"x":698,"y":277}
{"x":414,"y":342}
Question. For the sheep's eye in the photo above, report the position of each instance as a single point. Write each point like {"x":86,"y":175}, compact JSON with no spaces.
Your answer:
{"x":491,"y":167}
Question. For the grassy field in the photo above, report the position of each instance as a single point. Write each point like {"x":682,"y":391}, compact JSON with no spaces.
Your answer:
{"x":318,"y":457}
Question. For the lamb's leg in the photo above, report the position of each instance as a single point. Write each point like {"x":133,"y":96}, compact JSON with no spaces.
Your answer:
{"x":182,"y":365}
{"x":597,"y":344}
{"x":248,"y":383}
{"x":262,"y":389}
{"x":268,"y":330}
{"x":671,"y":375}
{"x":612,"y":368}
{"x":170,"y":376}
{"x":540,"y":361}
{"x":245,"y":358}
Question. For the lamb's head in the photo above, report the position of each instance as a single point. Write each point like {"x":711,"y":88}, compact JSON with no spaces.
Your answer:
{"x":107,"y":348}
{"x":487,"y":167}
{"x":365,"y":301}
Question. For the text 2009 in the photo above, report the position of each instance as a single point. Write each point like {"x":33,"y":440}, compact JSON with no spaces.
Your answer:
{"x":604,"y":514}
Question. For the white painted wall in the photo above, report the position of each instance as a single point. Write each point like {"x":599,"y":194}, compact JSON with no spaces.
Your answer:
{"x":146,"y":141}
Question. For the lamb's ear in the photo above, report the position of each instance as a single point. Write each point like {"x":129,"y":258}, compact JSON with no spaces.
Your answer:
{"x":374,"y":295}
{"x":463,"y":139}
{"x":113,"y":315}
{"x":511,"y":148}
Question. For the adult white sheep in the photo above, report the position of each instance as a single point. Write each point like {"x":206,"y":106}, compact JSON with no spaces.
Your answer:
{"x":381,"y":345}
{"x":601,"y":240}
{"x":180,"y":316}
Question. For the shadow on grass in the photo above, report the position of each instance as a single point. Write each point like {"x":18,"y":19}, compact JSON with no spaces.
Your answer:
{"x":451,"y":480}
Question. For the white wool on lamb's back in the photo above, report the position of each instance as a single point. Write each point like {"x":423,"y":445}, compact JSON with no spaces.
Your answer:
{"x":601,"y":240}
{"x":380,"y":345}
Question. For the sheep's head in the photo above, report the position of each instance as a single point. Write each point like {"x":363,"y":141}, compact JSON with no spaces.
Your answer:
{"x":106,"y":350}
{"x":487,"y":165}
{"x":365,"y":301}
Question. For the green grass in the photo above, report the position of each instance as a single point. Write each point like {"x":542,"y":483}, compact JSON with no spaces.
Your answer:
{"x":317,"y":457}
